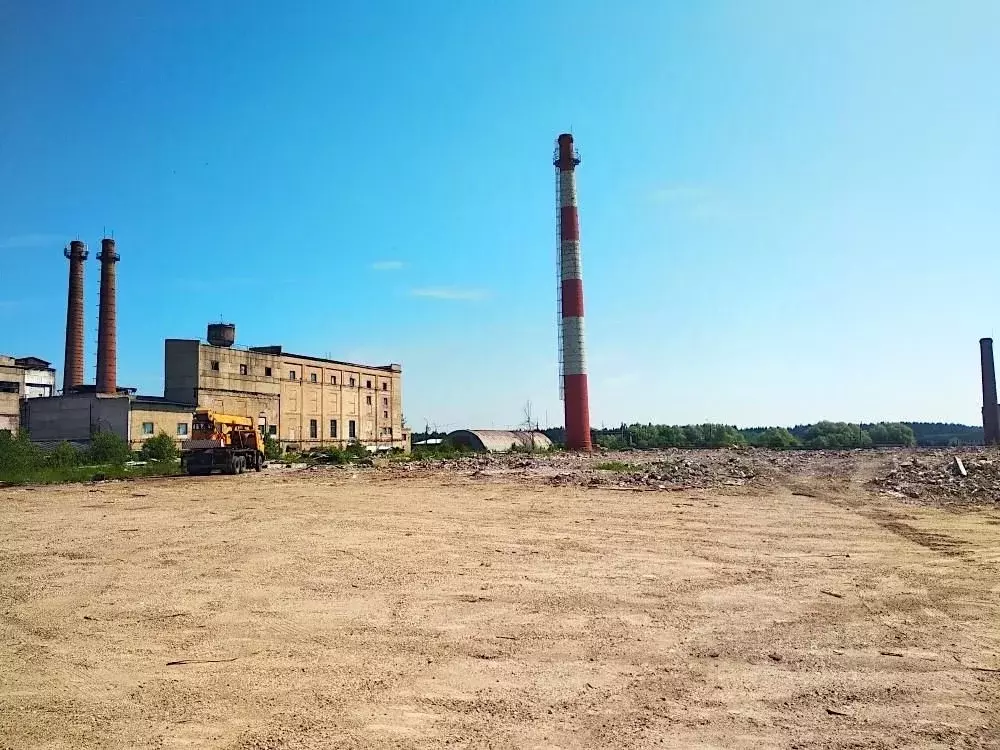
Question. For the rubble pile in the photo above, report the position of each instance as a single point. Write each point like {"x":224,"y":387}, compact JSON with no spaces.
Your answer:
{"x":971,"y":477}
{"x":676,"y":473}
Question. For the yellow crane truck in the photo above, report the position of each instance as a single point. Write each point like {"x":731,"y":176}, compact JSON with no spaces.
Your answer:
{"x":222,"y":442}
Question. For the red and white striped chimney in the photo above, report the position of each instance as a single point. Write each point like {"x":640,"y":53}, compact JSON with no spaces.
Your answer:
{"x":573,"y":359}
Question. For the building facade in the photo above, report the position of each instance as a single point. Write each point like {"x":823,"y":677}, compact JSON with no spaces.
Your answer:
{"x":302,"y":401}
{"x":76,"y":416}
{"x":22,"y":378}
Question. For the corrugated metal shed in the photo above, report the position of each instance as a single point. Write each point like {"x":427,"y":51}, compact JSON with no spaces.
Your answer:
{"x":499,"y":441}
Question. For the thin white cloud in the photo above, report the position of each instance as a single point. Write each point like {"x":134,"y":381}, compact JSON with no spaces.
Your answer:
{"x":450,"y":293}
{"x":32,"y":241}
{"x":388,"y":265}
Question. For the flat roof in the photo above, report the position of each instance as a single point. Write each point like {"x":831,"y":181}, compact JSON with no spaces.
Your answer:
{"x":162,"y":401}
{"x":277,"y":351}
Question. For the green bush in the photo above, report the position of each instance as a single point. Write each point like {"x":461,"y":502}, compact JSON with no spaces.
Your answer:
{"x":272,"y":448}
{"x":64,"y":456}
{"x":334,"y":455}
{"x":159,"y":448}
{"x":18,"y":454}
{"x":356,"y":450}
{"x":108,"y":448}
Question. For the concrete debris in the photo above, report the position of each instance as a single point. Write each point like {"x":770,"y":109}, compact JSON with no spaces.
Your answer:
{"x":936,"y":477}
{"x":965,"y":477}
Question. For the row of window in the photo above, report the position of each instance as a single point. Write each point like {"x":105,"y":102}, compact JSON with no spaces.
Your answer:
{"x":292,"y":375}
{"x":149,"y":427}
{"x":352,"y":428}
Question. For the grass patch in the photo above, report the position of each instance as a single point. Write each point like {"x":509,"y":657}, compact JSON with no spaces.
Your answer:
{"x":64,"y":474}
{"x":616,"y":466}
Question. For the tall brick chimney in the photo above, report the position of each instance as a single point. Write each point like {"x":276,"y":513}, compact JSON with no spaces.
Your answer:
{"x":73,"y":362}
{"x":991,"y":413}
{"x":107,"y":322}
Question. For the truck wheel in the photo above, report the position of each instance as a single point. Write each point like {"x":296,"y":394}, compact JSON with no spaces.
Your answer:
{"x":240,"y":464}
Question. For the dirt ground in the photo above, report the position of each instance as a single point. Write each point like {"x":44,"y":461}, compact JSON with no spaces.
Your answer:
{"x":445,"y":606}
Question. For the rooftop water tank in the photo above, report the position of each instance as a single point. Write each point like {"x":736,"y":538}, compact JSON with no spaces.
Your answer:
{"x":221,"y":334}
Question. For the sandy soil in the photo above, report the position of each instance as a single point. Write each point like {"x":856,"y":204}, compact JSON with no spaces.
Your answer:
{"x":342,"y":608}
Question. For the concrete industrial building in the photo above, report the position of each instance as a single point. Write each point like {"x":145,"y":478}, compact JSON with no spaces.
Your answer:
{"x":301,"y":400}
{"x":22,"y":378}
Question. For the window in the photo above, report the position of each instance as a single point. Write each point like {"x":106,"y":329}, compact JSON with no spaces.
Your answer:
{"x":385,"y":402}
{"x":352,"y":382}
{"x":312,"y":377}
{"x":333,"y":428}
{"x":244,"y":370}
{"x":352,"y":430}
{"x":267,"y":372}
{"x":272,"y":429}
{"x":215,"y":365}
{"x":385,"y":386}
{"x":385,"y":415}
{"x":333,"y":379}
{"x":313,"y":429}
{"x":368,"y":384}
{"x":182,"y":428}
{"x":9,"y":386}
{"x":368,"y":400}
{"x":147,"y":428}
{"x":291,"y":374}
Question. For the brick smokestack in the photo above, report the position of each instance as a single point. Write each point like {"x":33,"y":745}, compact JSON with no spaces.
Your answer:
{"x":573,"y":359}
{"x":73,"y":362}
{"x":107,"y":323}
{"x":991,"y":413}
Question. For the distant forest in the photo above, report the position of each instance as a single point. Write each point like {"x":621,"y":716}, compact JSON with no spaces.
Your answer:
{"x":814,"y":436}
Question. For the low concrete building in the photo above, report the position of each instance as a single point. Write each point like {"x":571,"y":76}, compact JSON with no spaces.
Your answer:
{"x":500,"y":441}
{"x":22,"y":378}
{"x":77,"y":416}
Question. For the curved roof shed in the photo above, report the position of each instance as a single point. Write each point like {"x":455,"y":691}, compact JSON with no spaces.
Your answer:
{"x":499,"y":441}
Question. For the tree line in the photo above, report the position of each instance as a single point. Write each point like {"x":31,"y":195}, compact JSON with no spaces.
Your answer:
{"x":820,"y":435}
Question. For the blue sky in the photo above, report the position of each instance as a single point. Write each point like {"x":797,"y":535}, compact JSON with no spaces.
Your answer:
{"x":788,"y":209}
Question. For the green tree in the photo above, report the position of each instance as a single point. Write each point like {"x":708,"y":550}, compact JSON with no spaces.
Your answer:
{"x":693,"y":436}
{"x":159,"y":448}
{"x":108,"y":448}
{"x":776,"y":437}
